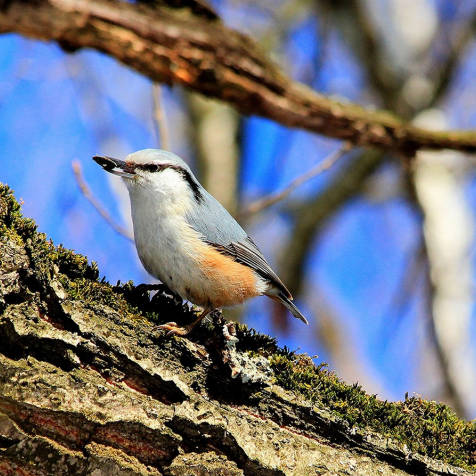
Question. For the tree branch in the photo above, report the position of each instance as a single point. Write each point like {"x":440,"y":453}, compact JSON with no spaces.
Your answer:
{"x":89,"y":386}
{"x":204,"y":55}
{"x":313,"y":214}
{"x":273,"y":198}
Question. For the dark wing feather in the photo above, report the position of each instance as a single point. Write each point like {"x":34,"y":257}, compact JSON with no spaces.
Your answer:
{"x":247,"y":253}
{"x":220,"y":230}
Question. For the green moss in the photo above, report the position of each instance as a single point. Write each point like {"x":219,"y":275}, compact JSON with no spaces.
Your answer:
{"x":251,"y":341}
{"x":10,"y":214}
{"x":74,"y":265}
{"x":78,"y":277}
{"x":429,"y":428}
{"x":9,"y":207}
{"x":89,"y":291}
{"x":7,"y":234}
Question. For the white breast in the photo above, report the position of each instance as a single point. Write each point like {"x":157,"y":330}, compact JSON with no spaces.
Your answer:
{"x":166,"y":244}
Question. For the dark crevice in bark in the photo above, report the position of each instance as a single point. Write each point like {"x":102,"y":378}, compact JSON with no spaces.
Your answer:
{"x":6,"y":443}
{"x":19,"y":347}
{"x":107,"y":363}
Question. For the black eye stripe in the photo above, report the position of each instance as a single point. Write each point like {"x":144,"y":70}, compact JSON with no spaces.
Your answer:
{"x":151,"y":167}
{"x":148,"y":167}
{"x":192,"y":184}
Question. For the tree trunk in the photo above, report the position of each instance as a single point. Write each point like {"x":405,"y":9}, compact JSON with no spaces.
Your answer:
{"x":89,"y":386}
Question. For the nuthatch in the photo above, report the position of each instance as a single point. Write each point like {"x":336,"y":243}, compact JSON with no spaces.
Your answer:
{"x":187,"y":239}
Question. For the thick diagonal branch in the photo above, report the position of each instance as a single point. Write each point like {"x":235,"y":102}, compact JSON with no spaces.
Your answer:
{"x":206,"y":56}
{"x":89,"y":386}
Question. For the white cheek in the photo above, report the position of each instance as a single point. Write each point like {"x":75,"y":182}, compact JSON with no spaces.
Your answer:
{"x":174,"y":192}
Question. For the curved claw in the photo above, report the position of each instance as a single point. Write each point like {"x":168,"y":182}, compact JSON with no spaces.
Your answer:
{"x":174,"y":330}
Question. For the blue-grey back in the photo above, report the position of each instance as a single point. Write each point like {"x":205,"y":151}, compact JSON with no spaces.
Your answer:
{"x":212,"y":220}
{"x":221,"y":230}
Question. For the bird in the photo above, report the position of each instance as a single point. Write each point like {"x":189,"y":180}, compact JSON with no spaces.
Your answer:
{"x":185,"y":238}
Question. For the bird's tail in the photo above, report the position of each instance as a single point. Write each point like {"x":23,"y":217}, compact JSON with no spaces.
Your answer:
{"x":283,"y":299}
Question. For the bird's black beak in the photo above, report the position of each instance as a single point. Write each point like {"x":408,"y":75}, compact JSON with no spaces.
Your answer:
{"x":115,"y":166}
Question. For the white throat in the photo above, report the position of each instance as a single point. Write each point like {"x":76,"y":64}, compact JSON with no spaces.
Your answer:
{"x":164,"y":239}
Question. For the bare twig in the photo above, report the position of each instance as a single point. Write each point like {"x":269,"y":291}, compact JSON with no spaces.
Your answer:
{"x":311,"y":216}
{"x":326,"y":164}
{"x":86,"y":191}
{"x":161,"y":128}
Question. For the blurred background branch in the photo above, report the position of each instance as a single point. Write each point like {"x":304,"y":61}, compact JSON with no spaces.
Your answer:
{"x":88,"y":195}
{"x":270,"y":200}
{"x":214,"y":132}
{"x":162,"y":128}
{"x":312,"y":215}
{"x":168,"y":48}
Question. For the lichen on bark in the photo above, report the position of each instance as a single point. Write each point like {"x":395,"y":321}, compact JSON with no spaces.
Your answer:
{"x":88,"y":385}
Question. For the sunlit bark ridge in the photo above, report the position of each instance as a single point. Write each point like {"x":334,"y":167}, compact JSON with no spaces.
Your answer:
{"x":194,"y":49}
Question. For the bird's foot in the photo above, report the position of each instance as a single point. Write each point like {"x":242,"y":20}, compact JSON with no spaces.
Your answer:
{"x":229,"y":332}
{"x":174,"y":329}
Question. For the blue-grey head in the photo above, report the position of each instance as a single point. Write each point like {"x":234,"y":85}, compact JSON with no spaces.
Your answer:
{"x":155,"y":169}
{"x":153,"y":175}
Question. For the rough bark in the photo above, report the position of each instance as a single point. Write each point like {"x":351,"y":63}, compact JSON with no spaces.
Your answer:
{"x":89,"y":386}
{"x":192,"y":48}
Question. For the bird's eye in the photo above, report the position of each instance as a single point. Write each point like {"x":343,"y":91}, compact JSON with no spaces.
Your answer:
{"x":151,"y":167}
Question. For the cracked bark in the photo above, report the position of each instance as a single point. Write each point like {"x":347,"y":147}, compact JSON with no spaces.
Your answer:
{"x":88,"y":386}
{"x":197,"y":51}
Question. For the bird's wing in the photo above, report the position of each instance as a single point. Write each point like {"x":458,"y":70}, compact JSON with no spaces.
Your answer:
{"x":247,"y":253}
{"x":219,"y":229}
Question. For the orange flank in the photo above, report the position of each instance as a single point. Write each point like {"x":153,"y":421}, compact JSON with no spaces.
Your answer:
{"x":229,"y":281}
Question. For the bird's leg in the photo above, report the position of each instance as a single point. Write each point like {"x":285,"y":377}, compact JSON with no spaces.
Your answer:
{"x":174,"y":329}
